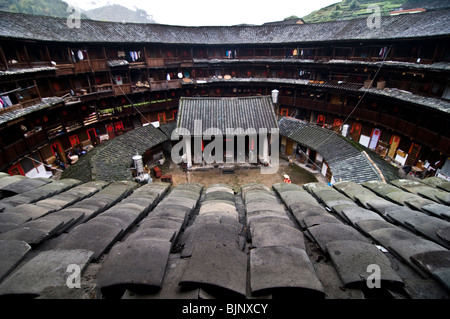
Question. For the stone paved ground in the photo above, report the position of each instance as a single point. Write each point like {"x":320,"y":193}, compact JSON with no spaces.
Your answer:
{"x":299,"y":175}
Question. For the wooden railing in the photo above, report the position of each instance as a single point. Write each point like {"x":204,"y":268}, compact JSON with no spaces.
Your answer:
{"x":65,"y":69}
{"x":155,"y":62}
{"x":122,"y":89}
{"x":164,"y":85}
{"x":99,"y":65}
{"x":36,"y":139}
{"x":422,"y":134}
{"x":82,"y":66}
{"x":19,"y":106}
{"x":15,"y":150}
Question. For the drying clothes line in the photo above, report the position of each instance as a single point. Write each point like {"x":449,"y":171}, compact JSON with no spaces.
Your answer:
{"x":132,"y":104}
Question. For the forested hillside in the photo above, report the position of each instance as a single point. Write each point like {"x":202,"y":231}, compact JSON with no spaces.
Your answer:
{"x":350,"y":9}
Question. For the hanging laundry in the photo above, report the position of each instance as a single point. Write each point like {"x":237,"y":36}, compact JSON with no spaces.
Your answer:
{"x":80,"y":55}
{"x":383,"y":52}
{"x":6,"y":100}
{"x":120,"y":54}
{"x":72,"y":57}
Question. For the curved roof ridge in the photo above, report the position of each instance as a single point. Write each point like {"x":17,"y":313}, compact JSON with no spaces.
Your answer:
{"x":22,"y":26}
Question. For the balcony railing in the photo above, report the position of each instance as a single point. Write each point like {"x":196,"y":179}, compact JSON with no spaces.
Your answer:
{"x":122,"y":89}
{"x":82,"y":67}
{"x":164,"y":85}
{"x":99,"y":65}
{"x":15,"y":150}
{"x":21,"y":105}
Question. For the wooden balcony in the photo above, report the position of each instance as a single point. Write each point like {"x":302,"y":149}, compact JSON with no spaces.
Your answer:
{"x":65,"y":69}
{"x":21,"y":105}
{"x":172,"y":61}
{"x":99,"y":65}
{"x":137,"y":65}
{"x":155,"y":62}
{"x":19,"y":65}
{"x":82,"y":67}
{"x":28,"y":65}
{"x":103,"y":87}
{"x":388,"y":120}
{"x":444,"y":145}
{"x":15,"y":150}
{"x":164,"y":85}
{"x":406,"y":128}
{"x":122,"y":89}
{"x":174,"y":84}
{"x":36,"y":139}
{"x":427,"y":136}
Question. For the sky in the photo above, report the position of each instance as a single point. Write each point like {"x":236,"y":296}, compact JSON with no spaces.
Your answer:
{"x":213,"y":12}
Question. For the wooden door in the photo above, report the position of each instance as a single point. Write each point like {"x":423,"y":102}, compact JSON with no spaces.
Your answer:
{"x":289,"y":147}
{"x":74,"y":140}
{"x":413,"y":154}
{"x":162,"y":118}
{"x":16,"y":170}
{"x":355,"y":132}
{"x":92,"y":136}
{"x":395,"y":141}
{"x":110,"y":131}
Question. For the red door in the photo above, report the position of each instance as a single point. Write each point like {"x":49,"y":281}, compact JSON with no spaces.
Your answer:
{"x":355,"y":132}
{"x":118,"y":126}
{"x":337,"y":122}
{"x":321,"y":120}
{"x":162,"y":118}
{"x":57,"y":151}
{"x":110,"y":131}
{"x":92,"y":135}
{"x":74,"y":140}
{"x":16,"y":170}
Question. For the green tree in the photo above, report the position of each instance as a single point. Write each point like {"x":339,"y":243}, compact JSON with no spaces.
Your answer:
{"x":354,"y":5}
{"x":291,"y":17}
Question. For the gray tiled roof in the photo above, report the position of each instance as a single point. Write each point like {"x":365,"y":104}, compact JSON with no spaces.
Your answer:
{"x":112,"y":160}
{"x":227,"y":113}
{"x":43,"y":104}
{"x":309,"y":241}
{"x":404,"y":96}
{"x":20,"y":26}
{"x":346,"y":162}
{"x":437,"y":66}
{"x":168,"y":128}
{"x":25,"y":71}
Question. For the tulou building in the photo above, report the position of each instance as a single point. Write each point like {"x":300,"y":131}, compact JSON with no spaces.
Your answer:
{"x":64,"y":86}
{"x":353,"y":101}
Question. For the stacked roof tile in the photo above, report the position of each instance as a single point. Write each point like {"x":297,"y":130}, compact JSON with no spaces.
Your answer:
{"x":111,"y":161}
{"x":224,"y":114}
{"x":346,"y":162}
{"x":190,"y":242}
{"x":21,"y":26}
{"x":41,"y":105}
